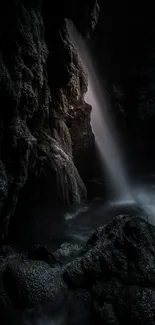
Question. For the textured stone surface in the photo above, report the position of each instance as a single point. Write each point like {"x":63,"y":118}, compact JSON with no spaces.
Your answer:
{"x":111,"y":281}
{"x":41,"y":81}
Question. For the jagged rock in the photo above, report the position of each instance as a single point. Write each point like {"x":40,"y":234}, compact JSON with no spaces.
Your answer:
{"x":89,"y":16}
{"x":118,"y":267}
{"x":42,"y":254}
{"x":32,"y":281}
{"x":41,"y":80}
{"x":111,"y":282}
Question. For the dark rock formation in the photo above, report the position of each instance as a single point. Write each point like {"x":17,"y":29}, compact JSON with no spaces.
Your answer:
{"x":124,"y":45}
{"x":111,"y":281}
{"x":41,"y":81}
{"x":42,"y":254}
{"x":78,"y":122}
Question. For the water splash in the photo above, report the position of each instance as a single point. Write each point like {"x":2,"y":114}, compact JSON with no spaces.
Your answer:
{"x":144,"y":196}
{"x":102,"y":124}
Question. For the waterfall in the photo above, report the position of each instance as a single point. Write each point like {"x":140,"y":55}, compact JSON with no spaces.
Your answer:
{"x":102,"y":124}
{"x":106,"y":137}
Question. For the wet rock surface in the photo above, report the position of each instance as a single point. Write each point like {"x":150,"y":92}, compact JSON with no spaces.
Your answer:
{"x":110,"y":280}
{"x":41,"y":81}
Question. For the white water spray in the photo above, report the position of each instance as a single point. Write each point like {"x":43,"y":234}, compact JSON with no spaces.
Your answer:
{"x":102,"y":124}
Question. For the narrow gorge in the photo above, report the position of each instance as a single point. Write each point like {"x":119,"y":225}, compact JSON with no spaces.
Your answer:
{"x":77,"y":163}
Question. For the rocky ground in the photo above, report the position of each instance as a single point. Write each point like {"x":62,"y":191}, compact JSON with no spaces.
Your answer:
{"x":110,"y":280}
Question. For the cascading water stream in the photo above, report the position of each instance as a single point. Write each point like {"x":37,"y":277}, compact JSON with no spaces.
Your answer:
{"x":103,"y":128}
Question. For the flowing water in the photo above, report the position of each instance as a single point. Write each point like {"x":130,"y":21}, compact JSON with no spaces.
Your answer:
{"x":102,"y":125}
{"x":72,"y":229}
{"x":122,"y":192}
{"x":68,"y":234}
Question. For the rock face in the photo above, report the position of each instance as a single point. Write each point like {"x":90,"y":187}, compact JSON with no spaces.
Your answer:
{"x":78,"y":122}
{"x":124,"y":45}
{"x":41,"y":82}
{"x":111,"y":281}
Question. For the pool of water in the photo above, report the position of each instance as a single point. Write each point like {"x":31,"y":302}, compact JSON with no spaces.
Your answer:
{"x":42,"y":225}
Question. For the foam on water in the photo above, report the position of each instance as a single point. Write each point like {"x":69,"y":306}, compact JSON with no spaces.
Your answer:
{"x":145,"y":198}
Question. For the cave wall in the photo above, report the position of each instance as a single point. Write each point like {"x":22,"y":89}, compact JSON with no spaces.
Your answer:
{"x":124,"y":43}
{"x":42,"y":83}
